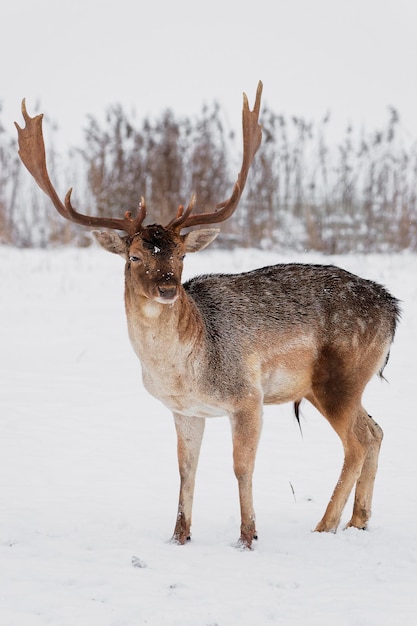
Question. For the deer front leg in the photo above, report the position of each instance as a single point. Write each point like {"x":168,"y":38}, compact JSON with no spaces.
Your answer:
{"x":189,"y":436}
{"x":246,"y":430}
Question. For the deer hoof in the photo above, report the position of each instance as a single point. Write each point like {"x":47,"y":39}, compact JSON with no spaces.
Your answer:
{"x":351,"y":524}
{"x":245,"y":541}
{"x":180,"y":540}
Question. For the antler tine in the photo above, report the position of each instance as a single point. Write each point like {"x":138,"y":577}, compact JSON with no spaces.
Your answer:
{"x":252,"y":137}
{"x":182,"y":216}
{"x":32,"y":154}
{"x":135,"y":223}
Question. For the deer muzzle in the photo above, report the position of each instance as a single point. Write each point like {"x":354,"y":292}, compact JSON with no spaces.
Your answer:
{"x":167,"y":294}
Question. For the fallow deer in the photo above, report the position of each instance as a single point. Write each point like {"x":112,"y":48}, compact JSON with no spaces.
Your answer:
{"x":228,"y":344}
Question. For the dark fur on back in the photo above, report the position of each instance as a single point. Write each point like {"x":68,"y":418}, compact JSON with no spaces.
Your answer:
{"x":242,"y":309}
{"x":290,"y":294}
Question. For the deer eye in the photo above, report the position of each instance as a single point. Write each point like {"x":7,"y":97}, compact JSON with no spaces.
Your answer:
{"x":135,"y":259}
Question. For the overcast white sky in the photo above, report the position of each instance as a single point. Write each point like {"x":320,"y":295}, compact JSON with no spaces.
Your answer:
{"x":72,"y":58}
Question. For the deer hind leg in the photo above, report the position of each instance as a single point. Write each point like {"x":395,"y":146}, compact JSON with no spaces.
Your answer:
{"x":365,"y":483}
{"x":246,"y":430}
{"x":361,"y":439}
{"x":190,"y":432}
{"x":361,"y":453}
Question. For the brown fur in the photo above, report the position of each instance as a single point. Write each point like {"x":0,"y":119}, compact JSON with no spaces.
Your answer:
{"x":227,"y":344}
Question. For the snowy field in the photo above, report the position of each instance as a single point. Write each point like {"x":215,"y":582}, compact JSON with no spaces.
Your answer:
{"x":89,"y":477}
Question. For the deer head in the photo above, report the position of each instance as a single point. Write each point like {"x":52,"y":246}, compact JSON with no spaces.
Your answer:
{"x":153,"y":253}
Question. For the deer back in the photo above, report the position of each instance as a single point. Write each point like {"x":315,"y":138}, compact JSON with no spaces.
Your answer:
{"x":268,"y":319}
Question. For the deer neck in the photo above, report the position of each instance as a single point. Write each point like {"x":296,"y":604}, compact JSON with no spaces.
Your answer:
{"x":162,"y":332}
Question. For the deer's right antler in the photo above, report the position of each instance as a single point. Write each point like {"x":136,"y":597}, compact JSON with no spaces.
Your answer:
{"x":252,"y":137}
{"x":32,"y":154}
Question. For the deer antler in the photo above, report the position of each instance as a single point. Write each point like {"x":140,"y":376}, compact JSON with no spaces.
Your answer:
{"x":32,"y":154}
{"x":252,"y":136}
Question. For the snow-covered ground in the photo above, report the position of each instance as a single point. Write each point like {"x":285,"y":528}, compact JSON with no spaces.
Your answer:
{"x":89,"y":478}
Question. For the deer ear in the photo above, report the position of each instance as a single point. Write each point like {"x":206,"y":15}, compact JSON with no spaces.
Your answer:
{"x":110,"y":241}
{"x":197,"y":240}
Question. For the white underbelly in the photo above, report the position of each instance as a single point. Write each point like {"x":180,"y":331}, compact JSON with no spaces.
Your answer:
{"x":202,"y":410}
{"x":184,"y":401}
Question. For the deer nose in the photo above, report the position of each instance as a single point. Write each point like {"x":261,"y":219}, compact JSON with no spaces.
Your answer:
{"x":167,"y":292}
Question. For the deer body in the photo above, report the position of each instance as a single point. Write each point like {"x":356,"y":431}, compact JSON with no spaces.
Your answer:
{"x":228,"y":344}
{"x":262,"y":330}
